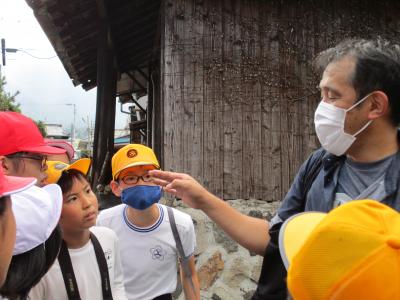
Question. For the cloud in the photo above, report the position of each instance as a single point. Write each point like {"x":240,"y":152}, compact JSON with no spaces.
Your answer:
{"x":44,"y":84}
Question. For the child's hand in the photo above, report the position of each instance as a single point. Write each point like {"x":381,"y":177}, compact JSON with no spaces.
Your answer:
{"x":182,"y":186}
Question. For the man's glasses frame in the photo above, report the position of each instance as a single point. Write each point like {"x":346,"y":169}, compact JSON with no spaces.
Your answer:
{"x":37,"y":157}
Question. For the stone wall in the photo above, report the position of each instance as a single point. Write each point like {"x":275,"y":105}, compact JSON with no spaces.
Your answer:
{"x":226,"y":270}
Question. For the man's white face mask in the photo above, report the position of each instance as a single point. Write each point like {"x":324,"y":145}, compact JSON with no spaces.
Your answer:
{"x":329,"y":126}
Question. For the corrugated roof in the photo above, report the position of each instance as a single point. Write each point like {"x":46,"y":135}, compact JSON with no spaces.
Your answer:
{"x":72,"y":28}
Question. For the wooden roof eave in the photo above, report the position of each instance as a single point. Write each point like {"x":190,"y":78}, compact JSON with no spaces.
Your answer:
{"x":53,"y":36}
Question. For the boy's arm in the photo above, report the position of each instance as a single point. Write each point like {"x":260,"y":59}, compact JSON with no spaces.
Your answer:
{"x":190,"y":294}
{"x":251,"y":233}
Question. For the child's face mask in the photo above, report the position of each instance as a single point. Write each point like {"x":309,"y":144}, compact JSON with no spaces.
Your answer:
{"x":141,"y":196}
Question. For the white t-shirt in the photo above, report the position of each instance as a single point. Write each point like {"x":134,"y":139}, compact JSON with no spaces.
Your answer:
{"x":149,"y":255}
{"x":86,"y":270}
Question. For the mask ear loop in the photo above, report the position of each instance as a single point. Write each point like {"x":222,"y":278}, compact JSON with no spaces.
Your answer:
{"x":354,"y":105}
{"x":362,"y":128}
{"x":358,"y":103}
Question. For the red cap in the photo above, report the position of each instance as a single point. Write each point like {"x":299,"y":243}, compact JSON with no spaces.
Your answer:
{"x":20,"y":134}
{"x":11,"y":184}
{"x":63,"y":145}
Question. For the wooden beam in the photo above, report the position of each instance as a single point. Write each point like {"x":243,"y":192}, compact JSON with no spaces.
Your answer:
{"x":103,"y":144}
{"x":135,"y":80}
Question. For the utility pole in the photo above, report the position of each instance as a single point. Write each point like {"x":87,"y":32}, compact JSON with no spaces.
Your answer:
{"x":73,"y":124}
{"x":89,"y":135}
{"x":4,"y":50}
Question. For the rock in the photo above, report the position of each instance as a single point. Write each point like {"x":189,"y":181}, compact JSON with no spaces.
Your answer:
{"x":256,"y":214}
{"x":248,"y":295}
{"x":223,"y":292}
{"x":236,"y":270}
{"x":226,"y":270}
{"x":210,"y":270}
{"x":256,"y":269}
{"x":203,"y":227}
{"x":221,"y":238}
{"x":215,"y":297}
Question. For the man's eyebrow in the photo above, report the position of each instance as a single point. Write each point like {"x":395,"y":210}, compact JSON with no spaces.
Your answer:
{"x":329,"y":88}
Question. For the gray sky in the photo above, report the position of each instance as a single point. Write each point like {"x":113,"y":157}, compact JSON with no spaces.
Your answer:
{"x":43,"y":84}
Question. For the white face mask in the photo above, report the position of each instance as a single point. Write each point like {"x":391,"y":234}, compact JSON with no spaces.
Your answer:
{"x":329,"y":126}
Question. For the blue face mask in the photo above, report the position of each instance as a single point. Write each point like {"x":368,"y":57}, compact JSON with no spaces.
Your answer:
{"x":141,"y":196}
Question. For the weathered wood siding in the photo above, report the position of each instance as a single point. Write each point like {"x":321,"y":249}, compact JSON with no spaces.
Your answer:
{"x":238,"y":88}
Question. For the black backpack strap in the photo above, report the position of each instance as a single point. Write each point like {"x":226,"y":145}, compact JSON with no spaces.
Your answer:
{"x":67,"y":272}
{"x":272,"y":283}
{"x":184,"y":261}
{"x":163,"y":297}
{"x":312,"y":173}
{"x":103,"y":268}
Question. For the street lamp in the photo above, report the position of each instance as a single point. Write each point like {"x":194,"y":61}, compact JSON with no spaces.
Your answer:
{"x":73,"y":124}
{"x":89,"y":135}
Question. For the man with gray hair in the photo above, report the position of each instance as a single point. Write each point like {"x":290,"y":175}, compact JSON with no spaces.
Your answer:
{"x":356,"y":122}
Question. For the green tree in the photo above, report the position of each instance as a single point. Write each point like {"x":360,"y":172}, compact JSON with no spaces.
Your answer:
{"x":42,"y":127}
{"x":7,"y":100}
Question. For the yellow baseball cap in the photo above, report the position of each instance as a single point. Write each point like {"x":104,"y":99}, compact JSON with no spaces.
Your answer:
{"x":353,"y":252}
{"x":130,"y":156}
{"x":55,"y":168}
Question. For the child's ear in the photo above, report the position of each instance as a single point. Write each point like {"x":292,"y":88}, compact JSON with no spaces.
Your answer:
{"x":115,"y":188}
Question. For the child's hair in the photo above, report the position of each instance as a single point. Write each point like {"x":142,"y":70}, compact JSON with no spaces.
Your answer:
{"x":67,"y":178}
{"x":26,"y":269}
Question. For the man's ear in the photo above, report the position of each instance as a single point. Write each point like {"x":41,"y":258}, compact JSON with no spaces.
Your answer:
{"x":379,"y":105}
{"x":6,"y":164}
{"x":115,"y":188}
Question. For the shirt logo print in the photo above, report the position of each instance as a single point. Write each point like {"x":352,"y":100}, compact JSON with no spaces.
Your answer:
{"x":157,"y":253}
{"x":107,"y":254}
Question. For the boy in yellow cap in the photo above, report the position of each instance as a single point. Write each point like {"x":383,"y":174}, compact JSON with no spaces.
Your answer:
{"x":148,"y":249}
{"x":88,"y":265}
{"x":350,"y":253}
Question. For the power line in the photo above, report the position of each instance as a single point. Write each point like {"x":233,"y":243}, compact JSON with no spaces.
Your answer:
{"x":5,"y":50}
{"x":26,"y":52}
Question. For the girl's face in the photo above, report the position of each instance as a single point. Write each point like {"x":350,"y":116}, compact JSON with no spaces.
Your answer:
{"x":7,"y":236}
{"x":80,"y":207}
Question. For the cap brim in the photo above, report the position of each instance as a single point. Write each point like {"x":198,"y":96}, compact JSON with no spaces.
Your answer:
{"x":55,"y":168}
{"x":62,"y":144}
{"x":136,"y":164}
{"x":295,"y":231}
{"x":56,"y":194}
{"x":37,"y":212}
{"x":82,"y":165}
{"x":15,"y":184}
{"x":43,"y":149}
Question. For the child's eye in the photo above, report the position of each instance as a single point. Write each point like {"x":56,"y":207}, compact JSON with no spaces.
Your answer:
{"x":146,"y":177}
{"x":71,"y":199}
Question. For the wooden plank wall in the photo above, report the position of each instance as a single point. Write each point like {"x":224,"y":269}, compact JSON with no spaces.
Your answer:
{"x":239,"y":91}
